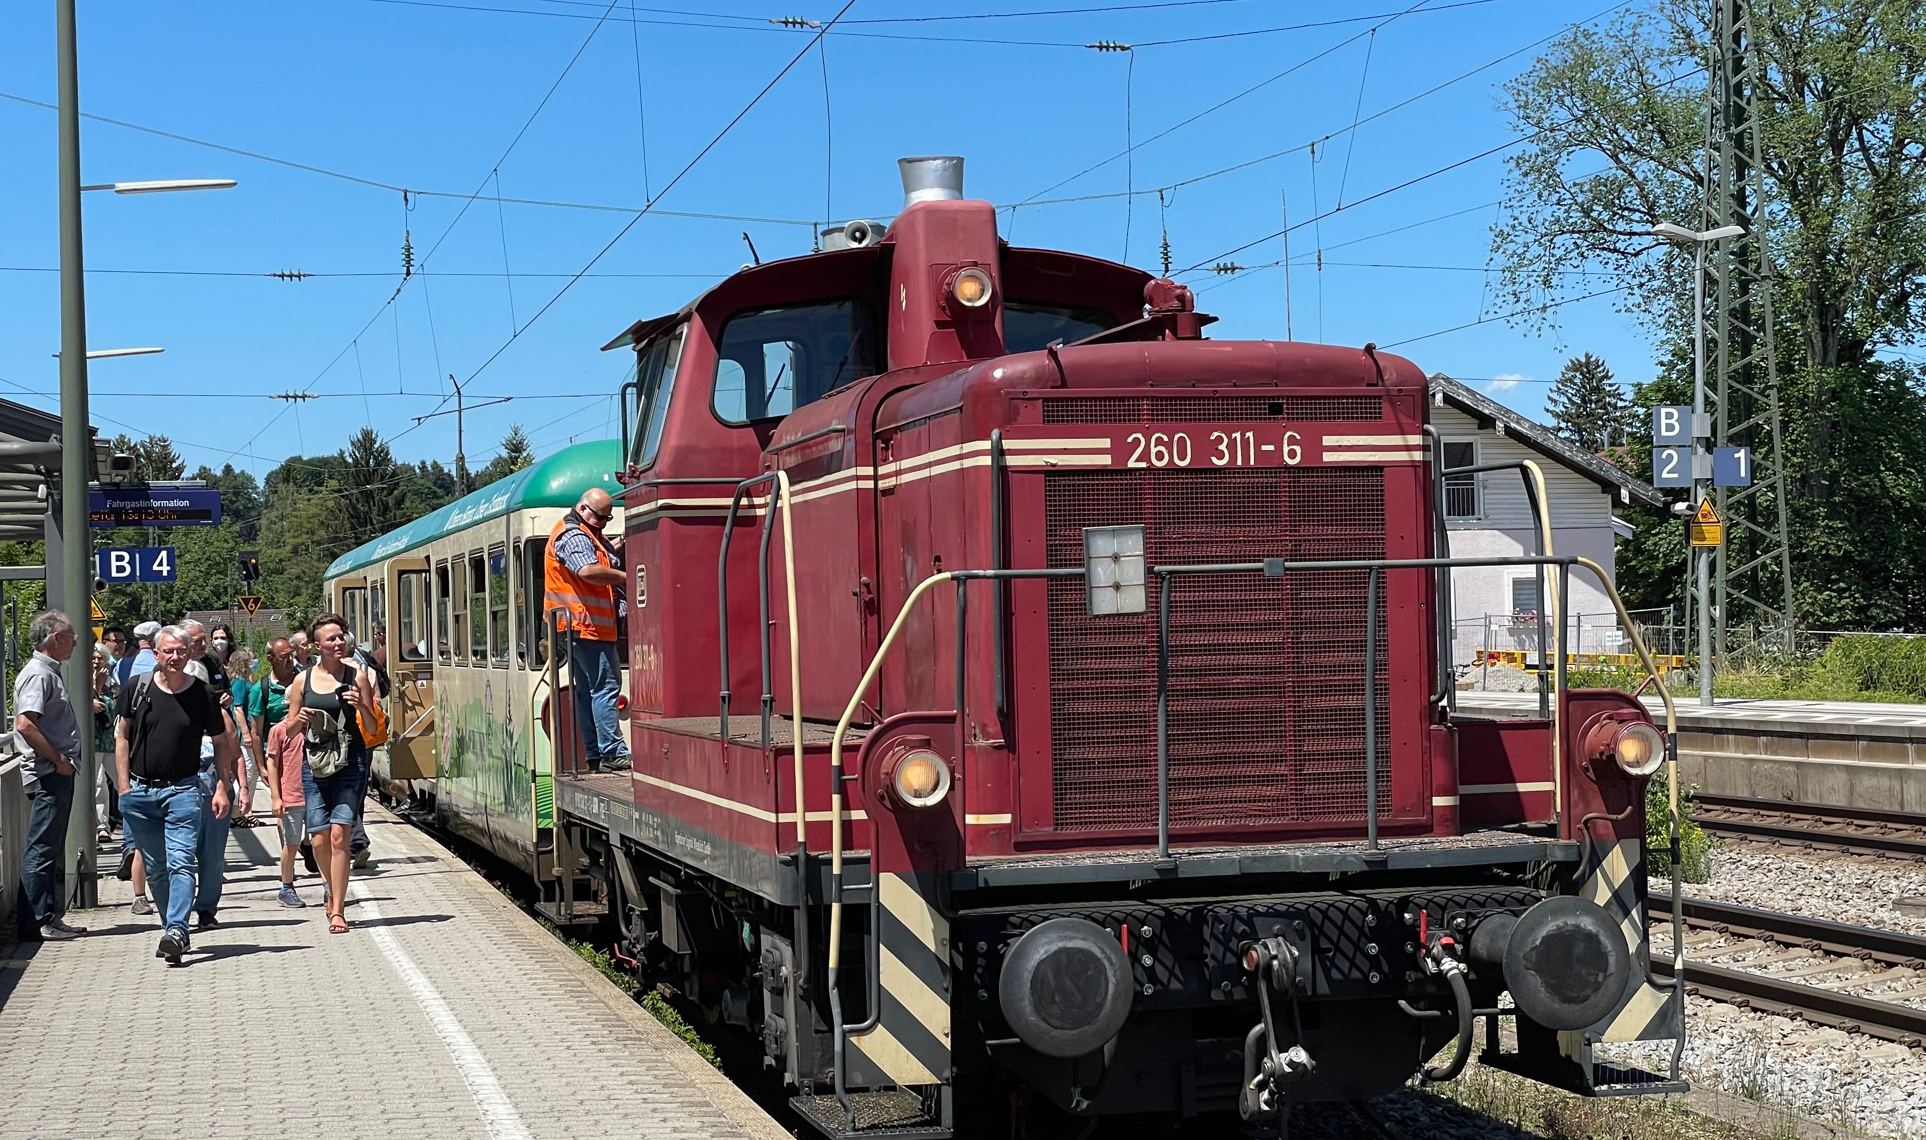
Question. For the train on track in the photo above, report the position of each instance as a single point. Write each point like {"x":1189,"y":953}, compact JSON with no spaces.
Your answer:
{"x":1039,"y":710}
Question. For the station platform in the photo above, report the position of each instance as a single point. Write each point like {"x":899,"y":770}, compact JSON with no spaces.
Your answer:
{"x":444,"y":1013}
{"x":1734,"y":713}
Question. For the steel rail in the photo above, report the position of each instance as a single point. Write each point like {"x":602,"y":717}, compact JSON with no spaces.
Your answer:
{"x":1864,"y":942}
{"x":1768,"y":994}
{"x":1818,"y":825}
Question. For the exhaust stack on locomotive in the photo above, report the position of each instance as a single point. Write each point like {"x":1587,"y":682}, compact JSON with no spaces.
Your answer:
{"x":1036,"y":698}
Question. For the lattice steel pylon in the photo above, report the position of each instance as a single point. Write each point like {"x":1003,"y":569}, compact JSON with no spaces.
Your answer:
{"x":1752,"y":572}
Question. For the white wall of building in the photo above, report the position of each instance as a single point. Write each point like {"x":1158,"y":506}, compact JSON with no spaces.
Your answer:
{"x":1581,"y":513}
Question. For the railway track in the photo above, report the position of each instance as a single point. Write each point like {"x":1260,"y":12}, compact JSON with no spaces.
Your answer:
{"x":1895,"y":834}
{"x":1802,"y":967}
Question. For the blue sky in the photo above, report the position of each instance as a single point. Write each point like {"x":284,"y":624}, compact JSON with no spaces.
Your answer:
{"x":430,"y":95}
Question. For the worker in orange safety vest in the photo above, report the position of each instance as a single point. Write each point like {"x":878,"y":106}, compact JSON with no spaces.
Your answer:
{"x":583,"y":574}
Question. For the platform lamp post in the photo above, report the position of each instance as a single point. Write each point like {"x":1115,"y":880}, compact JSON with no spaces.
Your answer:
{"x":76,"y":463}
{"x":1701,"y":473}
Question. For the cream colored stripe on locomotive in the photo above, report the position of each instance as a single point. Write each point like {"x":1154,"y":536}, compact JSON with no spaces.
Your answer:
{"x":902,"y":986}
{"x":1499,"y":789}
{"x":988,"y":819}
{"x":750,"y":810}
{"x":1405,"y":440}
{"x":1374,"y":448}
{"x":896,"y":1062}
{"x":1637,"y":1016}
{"x":914,"y":915}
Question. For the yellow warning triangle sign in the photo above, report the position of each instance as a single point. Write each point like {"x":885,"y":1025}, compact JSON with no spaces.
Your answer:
{"x":1706,"y":513}
{"x":93,"y":608}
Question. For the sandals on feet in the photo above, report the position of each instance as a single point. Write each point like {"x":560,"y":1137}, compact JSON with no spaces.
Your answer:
{"x":337,"y":923}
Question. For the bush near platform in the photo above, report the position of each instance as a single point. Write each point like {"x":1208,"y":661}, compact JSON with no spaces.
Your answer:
{"x":1695,"y":846}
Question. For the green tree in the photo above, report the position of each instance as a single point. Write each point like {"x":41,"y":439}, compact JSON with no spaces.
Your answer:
{"x":375,"y":501}
{"x":1587,"y":406}
{"x":1616,"y":125}
{"x":514,"y":455}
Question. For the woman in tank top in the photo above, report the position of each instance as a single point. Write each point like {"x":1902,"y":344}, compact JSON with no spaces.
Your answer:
{"x":332,"y":689}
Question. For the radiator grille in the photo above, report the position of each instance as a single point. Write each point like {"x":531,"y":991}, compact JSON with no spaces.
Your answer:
{"x":1208,"y":409}
{"x":1266,"y":675}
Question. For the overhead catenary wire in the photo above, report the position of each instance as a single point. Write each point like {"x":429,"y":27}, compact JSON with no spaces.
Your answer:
{"x":672,"y":183}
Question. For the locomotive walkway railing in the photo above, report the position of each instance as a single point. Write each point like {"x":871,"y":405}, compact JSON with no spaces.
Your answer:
{"x":1166,"y":576}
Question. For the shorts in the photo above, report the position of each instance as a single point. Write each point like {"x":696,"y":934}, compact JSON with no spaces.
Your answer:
{"x":335,"y":799}
{"x":294,"y":824}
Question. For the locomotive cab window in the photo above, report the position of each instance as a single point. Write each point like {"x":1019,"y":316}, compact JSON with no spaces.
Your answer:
{"x":1029,"y":326}
{"x":655,"y":373}
{"x":772,"y":361}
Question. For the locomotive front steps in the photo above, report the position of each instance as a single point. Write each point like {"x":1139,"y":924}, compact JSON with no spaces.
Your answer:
{"x":896,"y":1113}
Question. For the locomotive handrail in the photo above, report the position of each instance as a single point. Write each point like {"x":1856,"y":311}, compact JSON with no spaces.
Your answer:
{"x":1270,"y":567}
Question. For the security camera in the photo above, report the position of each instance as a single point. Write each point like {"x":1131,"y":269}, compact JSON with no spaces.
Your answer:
{"x":120,"y":467}
{"x":1681,"y":509}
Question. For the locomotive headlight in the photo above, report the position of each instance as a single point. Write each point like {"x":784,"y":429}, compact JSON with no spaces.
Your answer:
{"x":971,"y":288}
{"x":921,"y":778}
{"x":1639,"y":749}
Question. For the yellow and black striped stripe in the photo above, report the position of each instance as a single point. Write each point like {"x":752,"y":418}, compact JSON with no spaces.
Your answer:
{"x":910,"y":1041}
{"x":1613,"y":876}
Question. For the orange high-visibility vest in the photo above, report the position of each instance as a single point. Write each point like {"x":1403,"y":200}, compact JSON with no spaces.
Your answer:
{"x":591,"y":608}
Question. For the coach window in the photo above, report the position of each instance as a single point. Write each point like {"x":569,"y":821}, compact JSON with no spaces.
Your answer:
{"x":458,"y":573}
{"x":411,"y":616}
{"x":354,"y":608}
{"x":478,"y":608}
{"x":772,"y":361}
{"x":444,"y":610}
{"x":655,"y":383}
{"x":531,"y":600}
{"x":371,"y":633}
{"x":498,"y":606}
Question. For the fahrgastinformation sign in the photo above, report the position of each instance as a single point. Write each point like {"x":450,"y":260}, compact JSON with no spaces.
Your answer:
{"x":154,"y":506}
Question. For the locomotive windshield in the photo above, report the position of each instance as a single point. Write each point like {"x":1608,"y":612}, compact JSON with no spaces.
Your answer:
{"x":773,"y":361}
{"x":1029,"y":326}
{"x":655,"y":384}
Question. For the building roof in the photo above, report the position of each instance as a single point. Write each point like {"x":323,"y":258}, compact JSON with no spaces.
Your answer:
{"x":1536,"y":436}
{"x":557,"y":481}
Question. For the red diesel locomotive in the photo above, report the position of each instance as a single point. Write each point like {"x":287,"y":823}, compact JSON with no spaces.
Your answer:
{"x":1033,"y":698}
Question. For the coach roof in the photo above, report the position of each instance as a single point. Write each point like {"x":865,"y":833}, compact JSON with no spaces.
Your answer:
{"x":557,"y":481}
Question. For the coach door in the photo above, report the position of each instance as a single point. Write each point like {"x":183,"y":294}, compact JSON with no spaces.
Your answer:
{"x":411,"y":712}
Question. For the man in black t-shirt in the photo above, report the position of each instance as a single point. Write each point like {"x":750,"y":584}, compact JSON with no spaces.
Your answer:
{"x":157,"y":760}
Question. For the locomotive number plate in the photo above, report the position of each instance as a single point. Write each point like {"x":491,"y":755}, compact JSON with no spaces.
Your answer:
{"x":1266,"y":446}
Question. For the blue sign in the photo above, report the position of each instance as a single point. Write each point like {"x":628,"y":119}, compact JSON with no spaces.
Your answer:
{"x":154,"y":506}
{"x":1671,"y":467}
{"x":1671,"y":425}
{"x":1732,"y":467}
{"x":135,"y":563}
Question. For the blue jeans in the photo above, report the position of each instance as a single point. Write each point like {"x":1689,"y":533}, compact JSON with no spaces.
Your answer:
{"x":596,"y":678}
{"x":42,"y":878}
{"x":212,"y":847}
{"x":165,"y":820}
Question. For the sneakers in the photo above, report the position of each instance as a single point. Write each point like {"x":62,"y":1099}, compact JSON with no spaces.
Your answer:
{"x":142,"y":905}
{"x":307,"y":858}
{"x":612,"y":764}
{"x":173,"y":944}
{"x":125,"y":872}
{"x":205,"y":920}
{"x":52,"y":932}
{"x":361,"y":858}
{"x":63,"y":924}
{"x":289,"y":898}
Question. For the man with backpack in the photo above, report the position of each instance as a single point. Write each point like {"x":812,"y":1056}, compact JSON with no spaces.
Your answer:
{"x":157,"y":761}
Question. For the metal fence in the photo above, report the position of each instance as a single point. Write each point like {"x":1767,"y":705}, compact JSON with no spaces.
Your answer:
{"x":1505,"y":637}
{"x":13,"y":839}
